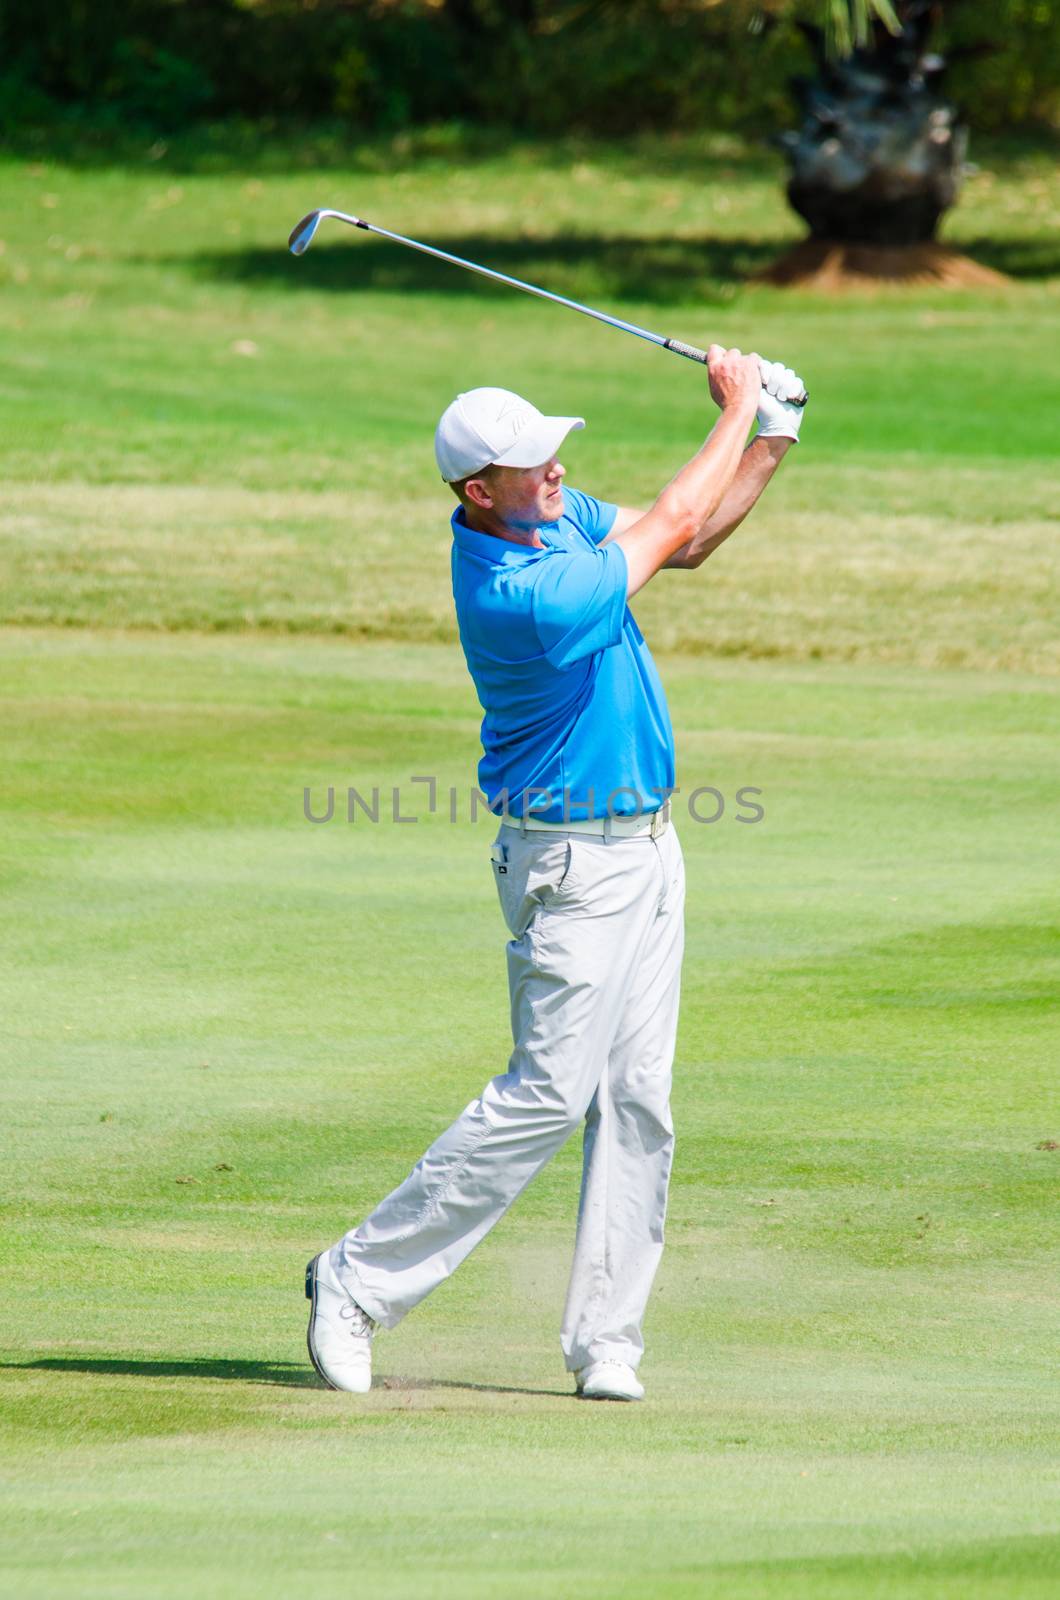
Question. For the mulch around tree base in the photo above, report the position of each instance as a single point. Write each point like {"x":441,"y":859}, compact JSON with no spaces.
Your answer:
{"x":834,"y":265}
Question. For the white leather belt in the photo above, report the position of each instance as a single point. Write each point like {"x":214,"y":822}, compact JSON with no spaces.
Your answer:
{"x":652,"y":823}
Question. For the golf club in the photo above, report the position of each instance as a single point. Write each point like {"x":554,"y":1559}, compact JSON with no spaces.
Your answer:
{"x":302,"y":237}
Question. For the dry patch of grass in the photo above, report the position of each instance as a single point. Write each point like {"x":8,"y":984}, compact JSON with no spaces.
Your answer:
{"x":837,"y":564}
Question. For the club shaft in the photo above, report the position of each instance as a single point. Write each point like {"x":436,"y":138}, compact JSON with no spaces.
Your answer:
{"x":304,"y":232}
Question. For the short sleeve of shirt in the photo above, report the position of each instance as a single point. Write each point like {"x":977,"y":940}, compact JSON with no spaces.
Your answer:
{"x":595,"y":517}
{"x":578,"y":603}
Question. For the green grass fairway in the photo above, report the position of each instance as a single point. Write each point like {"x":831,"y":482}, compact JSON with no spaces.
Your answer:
{"x":227,"y":1031}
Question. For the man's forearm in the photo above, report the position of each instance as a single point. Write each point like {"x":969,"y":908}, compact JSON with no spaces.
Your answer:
{"x":701,"y":486}
{"x":689,"y":499}
{"x":757,"y":465}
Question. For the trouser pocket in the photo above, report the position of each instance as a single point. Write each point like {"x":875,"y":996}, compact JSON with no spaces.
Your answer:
{"x":529,"y":872}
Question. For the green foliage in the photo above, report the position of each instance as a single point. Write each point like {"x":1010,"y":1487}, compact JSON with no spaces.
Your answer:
{"x":544,"y":66}
{"x":156,"y":87}
{"x":1006,"y":62}
{"x":848,"y":21}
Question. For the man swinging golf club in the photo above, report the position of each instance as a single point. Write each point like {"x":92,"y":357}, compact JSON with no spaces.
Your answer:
{"x":578,"y":763}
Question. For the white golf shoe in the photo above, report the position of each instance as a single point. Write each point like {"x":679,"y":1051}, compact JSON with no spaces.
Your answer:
{"x":608,"y":1380}
{"x":340,"y":1333}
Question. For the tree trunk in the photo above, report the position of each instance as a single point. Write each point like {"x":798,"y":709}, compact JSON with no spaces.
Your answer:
{"x":879,"y":156}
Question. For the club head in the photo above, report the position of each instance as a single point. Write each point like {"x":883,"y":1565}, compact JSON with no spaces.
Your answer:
{"x":302,"y":234}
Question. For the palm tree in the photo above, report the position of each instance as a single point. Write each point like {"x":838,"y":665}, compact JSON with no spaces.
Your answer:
{"x":879,"y":156}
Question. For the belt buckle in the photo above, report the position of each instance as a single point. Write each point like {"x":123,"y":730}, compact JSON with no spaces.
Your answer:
{"x":659,"y":819}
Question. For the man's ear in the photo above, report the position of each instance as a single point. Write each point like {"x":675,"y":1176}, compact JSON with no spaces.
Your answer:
{"x":478,"y":492}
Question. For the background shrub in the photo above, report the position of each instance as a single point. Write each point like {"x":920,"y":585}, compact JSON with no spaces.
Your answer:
{"x":543,"y":66}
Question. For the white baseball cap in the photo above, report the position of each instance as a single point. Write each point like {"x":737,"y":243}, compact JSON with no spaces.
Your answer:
{"x":494,"y":427}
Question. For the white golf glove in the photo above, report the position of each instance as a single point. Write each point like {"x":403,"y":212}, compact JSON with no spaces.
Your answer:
{"x":777,"y":417}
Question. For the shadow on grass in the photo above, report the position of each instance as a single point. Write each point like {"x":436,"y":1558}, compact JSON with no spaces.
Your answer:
{"x":1018,"y":258}
{"x":279,"y":148}
{"x":288,"y":1374}
{"x":282,"y":146}
{"x":285,"y":1374}
{"x":619,"y":267}
{"x":393,"y":1382}
{"x":654,"y":270}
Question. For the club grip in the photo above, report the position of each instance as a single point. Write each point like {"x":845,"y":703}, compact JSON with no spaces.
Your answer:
{"x":679,"y":348}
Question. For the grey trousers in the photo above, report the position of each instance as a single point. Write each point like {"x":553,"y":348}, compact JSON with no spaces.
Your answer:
{"x":594,"y":967}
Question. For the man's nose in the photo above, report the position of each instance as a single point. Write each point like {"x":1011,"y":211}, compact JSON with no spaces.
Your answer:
{"x":557,"y":470}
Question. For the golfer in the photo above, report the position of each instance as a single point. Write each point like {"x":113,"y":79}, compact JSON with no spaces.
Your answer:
{"x":578,"y":763}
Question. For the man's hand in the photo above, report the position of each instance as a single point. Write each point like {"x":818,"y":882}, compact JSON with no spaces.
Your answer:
{"x":777,"y":417}
{"x":735,"y":379}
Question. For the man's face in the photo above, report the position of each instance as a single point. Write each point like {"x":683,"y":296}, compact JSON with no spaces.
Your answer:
{"x":525,"y":497}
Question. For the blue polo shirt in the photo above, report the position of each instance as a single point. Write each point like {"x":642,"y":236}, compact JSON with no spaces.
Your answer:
{"x":571,"y":695}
